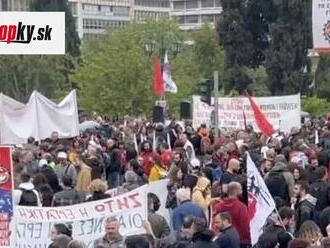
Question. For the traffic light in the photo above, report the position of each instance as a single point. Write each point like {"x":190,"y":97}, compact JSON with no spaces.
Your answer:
{"x":205,"y":90}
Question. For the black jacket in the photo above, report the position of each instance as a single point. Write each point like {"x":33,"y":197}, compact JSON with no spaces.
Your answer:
{"x":203,"y":239}
{"x":324,"y":220}
{"x":228,"y":238}
{"x":321,"y":191}
{"x":305,"y":210}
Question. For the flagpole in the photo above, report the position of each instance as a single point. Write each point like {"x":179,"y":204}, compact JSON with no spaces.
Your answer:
{"x":280,"y":219}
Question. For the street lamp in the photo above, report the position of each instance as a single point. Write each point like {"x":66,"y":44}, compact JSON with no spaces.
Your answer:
{"x":314,"y":58}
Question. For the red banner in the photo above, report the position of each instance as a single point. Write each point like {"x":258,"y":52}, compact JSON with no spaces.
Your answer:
{"x":6,"y":200}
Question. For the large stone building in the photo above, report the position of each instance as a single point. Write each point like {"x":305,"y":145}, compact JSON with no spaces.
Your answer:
{"x":93,"y":17}
{"x":190,"y":14}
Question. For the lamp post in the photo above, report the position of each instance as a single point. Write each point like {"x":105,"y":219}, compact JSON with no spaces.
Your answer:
{"x":314,"y":58}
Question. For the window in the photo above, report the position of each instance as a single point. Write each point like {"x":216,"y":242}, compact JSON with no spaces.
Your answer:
{"x":192,"y":19}
{"x":217,"y":3}
{"x":90,"y":8}
{"x":192,"y":4}
{"x":207,"y":3}
{"x":178,"y":5}
{"x":120,"y":11}
{"x":208,"y":18}
{"x":179,"y":19}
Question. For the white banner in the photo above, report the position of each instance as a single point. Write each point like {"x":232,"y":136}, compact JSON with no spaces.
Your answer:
{"x":38,"y":119}
{"x":33,"y":224}
{"x":32,"y":32}
{"x":321,"y":25}
{"x":281,"y":111}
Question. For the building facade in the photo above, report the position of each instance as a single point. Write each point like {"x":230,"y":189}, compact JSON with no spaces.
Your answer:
{"x":191,"y":14}
{"x":93,"y":17}
{"x":150,"y":9}
{"x":15,"y":5}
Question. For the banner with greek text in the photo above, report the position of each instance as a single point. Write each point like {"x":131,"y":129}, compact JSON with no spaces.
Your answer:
{"x":34,"y":224}
{"x":281,"y":111}
{"x":6,"y":200}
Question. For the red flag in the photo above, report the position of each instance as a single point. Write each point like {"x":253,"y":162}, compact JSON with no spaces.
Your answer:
{"x":158,"y":79}
{"x":261,"y":120}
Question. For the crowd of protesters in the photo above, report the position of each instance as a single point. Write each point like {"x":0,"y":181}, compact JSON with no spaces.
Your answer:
{"x":207,"y":190}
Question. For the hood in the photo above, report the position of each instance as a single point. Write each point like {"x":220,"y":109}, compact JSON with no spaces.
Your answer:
{"x":312,"y":200}
{"x":229,"y":203}
{"x":205,"y":235}
{"x":202,"y":184}
{"x":279,"y":166}
{"x":26,"y":186}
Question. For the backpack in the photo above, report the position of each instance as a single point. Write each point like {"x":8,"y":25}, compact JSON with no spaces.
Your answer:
{"x":277,"y":185}
{"x":28,"y":198}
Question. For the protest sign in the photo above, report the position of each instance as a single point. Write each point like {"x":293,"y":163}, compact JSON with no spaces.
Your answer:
{"x":33,"y":224}
{"x":321,"y":25}
{"x":6,"y":199}
{"x":281,"y":111}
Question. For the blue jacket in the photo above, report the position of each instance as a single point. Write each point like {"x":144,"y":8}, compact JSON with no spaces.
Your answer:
{"x":185,"y":209}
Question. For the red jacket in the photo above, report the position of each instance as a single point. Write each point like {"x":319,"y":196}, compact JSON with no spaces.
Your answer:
{"x":239,"y":215}
{"x":147,"y":162}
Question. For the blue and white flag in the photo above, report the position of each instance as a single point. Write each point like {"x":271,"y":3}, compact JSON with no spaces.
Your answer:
{"x":169,"y":84}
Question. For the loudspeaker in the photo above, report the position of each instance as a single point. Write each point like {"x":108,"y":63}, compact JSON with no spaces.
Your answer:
{"x":185,"y":110}
{"x":158,"y":114}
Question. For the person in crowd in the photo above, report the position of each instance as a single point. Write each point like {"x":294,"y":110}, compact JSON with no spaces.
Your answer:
{"x":325,"y":243}
{"x":26,"y":194}
{"x":230,"y":174}
{"x":310,"y":232}
{"x":158,"y":223}
{"x":131,"y":182}
{"x":173,"y":185}
{"x":182,"y":236}
{"x":46,"y":193}
{"x":310,"y":170}
{"x":147,"y":157}
{"x":277,"y":230}
{"x":76,"y":244}
{"x":299,"y":243}
{"x":297,"y":172}
{"x":228,"y":236}
{"x":320,"y":189}
{"x":61,"y":241}
{"x":98,"y":189}
{"x":304,"y":203}
{"x":280,"y":181}
{"x":84,"y":176}
{"x":237,"y":210}
{"x":49,"y":173}
{"x":158,"y":170}
{"x":58,"y":230}
{"x":135,"y":166}
{"x":114,"y":168}
{"x":185,"y":208}
{"x":68,"y":196}
{"x":112,"y":237}
{"x":137,"y":241}
{"x":202,"y":236}
{"x":65,"y":168}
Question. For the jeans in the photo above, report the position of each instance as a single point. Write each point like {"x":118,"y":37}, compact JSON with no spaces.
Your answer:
{"x":113,"y":179}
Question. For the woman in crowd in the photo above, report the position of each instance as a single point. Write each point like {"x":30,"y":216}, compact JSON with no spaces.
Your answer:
{"x":98,"y":188}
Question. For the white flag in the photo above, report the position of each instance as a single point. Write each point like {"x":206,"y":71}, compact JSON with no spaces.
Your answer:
{"x":261,"y":203}
{"x":170,"y":85}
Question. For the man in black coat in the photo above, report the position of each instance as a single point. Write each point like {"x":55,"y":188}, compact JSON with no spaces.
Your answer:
{"x":202,"y":235}
{"x":320,"y":189}
{"x":228,"y":237}
{"x":277,"y":231}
